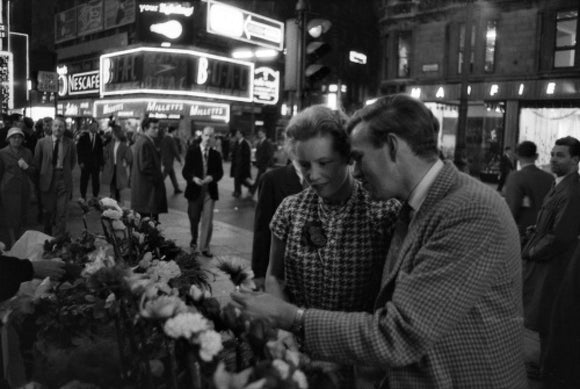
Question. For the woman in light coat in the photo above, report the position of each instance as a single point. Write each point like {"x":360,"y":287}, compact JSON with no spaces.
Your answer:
{"x":15,"y":170}
{"x":118,"y":160}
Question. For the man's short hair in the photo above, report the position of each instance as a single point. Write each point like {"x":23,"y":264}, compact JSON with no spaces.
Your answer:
{"x":404,"y":116}
{"x":527,"y":149}
{"x":319,"y":120}
{"x":572,"y":143}
{"x":147,"y":121}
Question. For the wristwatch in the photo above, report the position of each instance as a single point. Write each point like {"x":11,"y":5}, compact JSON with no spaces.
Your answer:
{"x":298,"y":323}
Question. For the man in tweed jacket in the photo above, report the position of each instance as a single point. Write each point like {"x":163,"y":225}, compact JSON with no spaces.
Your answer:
{"x":449,"y":313}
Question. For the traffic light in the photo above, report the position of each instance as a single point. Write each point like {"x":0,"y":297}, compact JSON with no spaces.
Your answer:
{"x":315,"y":49}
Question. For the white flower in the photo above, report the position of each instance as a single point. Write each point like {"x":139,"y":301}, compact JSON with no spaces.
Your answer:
{"x":139,"y":236}
{"x":98,"y":260}
{"x":210,"y":343}
{"x":137,"y":282}
{"x":256,"y":384}
{"x":145,"y":262}
{"x":111,"y":298}
{"x":162,"y":307}
{"x":300,"y":379}
{"x":195,"y":292}
{"x":2,"y":247}
{"x":185,"y":325}
{"x":42,"y":290}
{"x":118,"y":225}
{"x":282,"y":367}
{"x":113,"y":214}
{"x":107,"y":202}
{"x":164,"y":271}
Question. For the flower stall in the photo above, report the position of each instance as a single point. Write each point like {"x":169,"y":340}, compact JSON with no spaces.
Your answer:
{"x":136,"y":311}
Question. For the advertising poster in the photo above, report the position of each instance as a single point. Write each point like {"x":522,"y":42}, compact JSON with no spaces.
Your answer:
{"x":90,"y":17}
{"x":65,"y":26}
{"x":119,"y":12}
{"x":166,"y":22}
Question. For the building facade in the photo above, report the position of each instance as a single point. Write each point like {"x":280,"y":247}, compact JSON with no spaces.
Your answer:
{"x":513,"y":66}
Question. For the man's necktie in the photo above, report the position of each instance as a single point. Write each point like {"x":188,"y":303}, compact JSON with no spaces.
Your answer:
{"x":401,"y":228}
{"x":55,"y":153}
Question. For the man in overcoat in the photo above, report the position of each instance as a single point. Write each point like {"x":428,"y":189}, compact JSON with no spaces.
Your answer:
{"x":547,"y":254}
{"x":448,"y":314}
{"x":202,"y":171}
{"x":90,"y":157}
{"x":54,"y":159}
{"x":525,"y":189}
{"x":264,"y":156}
{"x":148,"y":195}
{"x":241,"y":164}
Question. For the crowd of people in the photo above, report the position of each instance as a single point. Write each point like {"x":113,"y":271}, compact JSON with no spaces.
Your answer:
{"x":370,"y":250}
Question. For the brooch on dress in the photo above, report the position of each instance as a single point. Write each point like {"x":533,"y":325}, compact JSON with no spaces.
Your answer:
{"x":313,"y":235}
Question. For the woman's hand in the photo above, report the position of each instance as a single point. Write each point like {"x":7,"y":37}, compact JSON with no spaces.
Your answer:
{"x":261,"y":305}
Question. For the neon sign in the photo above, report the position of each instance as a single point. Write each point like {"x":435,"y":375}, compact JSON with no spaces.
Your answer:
{"x":266,"y":85}
{"x":77,"y":83}
{"x":163,"y":109}
{"x":236,"y":23}
{"x":6,"y":81}
{"x":176,"y":72}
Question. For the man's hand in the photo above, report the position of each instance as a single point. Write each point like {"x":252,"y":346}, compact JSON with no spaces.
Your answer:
{"x":53,"y":268}
{"x":198,"y":180}
{"x":262,"y":305}
{"x":207,"y":180}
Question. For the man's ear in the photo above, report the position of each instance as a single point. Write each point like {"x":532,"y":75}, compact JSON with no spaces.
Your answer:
{"x":393,"y":146}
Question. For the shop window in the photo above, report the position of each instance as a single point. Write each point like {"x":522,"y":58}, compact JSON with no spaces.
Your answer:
{"x":403,"y":54}
{"x":490,"y":43}
{"x":462,"y":49}
{"x":566,"y":43}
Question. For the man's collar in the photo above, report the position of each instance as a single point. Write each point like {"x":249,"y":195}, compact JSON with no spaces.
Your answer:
{"x":419,"y":194}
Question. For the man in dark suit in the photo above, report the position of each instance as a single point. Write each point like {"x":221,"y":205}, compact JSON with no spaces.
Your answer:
{"x":275,"y":186}
{"x":547,"y":253}
{"x":202,"y":171}
{"x":170,"y":153}
{"x":148,"y":195}
{"x":264,"y":157}
{"x":54,"y":160}
{"x":449,"y":310}
{"x":525,"y":189}
{"x":241,"y":164}
{"x":90,"y":157}
{"x":506,"y":165}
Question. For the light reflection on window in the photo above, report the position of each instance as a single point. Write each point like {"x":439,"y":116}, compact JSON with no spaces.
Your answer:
{"x":565,"y":47}
{"x":403,"y":53}
{"x":490,"y":42}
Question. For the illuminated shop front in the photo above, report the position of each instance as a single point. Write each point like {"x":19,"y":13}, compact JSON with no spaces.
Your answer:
{"x":485,"y":123}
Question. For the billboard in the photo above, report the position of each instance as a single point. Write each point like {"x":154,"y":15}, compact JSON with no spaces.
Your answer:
{"x":176,"y":72}
{"x":118,"y":13}
{"x":65,"y":25}
{"x":90,"y":17}
{"x":6,"y":81}
{"x":166,"y":22}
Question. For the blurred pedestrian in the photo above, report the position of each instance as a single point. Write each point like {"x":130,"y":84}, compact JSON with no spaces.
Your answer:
{"x":274,"y":186}
{"x":90,"y":157}
{"x":148,"y":195}
{"x":16,"y":169}
{"x":264,"y":157}
{"x":169,"y":154}
{"x":118,"y":159}
{"x":241,"y":164}
{"x":506,"y":165}
{"x":202,"y":171}
{"x":526,"y":188}
{"x":54,"y":160}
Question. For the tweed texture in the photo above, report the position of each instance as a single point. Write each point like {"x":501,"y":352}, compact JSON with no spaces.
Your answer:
{"x":345,"y":273}
{"x":450,"y":314}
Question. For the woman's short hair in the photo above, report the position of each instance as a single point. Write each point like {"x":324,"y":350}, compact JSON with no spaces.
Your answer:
{"x":404,"y":116}
{"x":319,"y":120}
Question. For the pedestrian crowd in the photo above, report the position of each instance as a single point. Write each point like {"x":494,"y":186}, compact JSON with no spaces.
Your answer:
{"x":371,"y":252}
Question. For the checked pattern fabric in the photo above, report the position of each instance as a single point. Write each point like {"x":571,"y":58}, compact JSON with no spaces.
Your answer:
{"x":345,"y":273}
